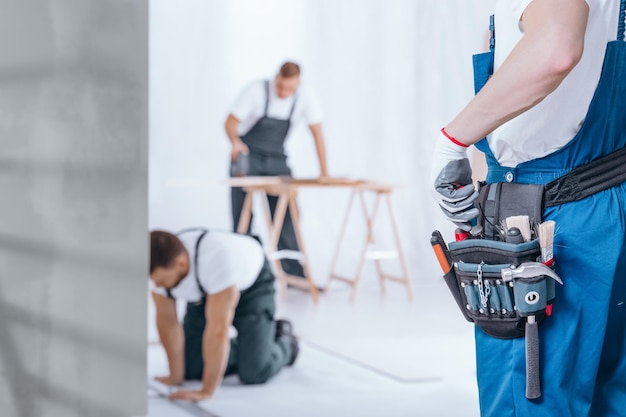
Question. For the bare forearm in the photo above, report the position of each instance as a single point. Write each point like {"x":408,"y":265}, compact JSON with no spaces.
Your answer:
{"x":173,"y":341}
{"x":215,"y":350}
{"x":535,"y":68}
{"x":320,"y":148}
{"x":510,"y":92}
{"x":321,"y":155}
{"x":231,"y":129}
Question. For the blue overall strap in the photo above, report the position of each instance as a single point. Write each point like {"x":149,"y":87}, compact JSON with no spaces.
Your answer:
{"x":622,"y":23}
{"x":483,"y":69}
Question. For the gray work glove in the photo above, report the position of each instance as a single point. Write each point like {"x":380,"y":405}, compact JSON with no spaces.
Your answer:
{"x":454,"y":191}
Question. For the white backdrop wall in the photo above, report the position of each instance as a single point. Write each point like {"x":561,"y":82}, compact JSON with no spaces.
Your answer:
{"x":389,"y":74}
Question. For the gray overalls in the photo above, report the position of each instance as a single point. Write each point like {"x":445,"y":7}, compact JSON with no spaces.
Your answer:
{"x":255,"y":354}
{"x":266,"y":142}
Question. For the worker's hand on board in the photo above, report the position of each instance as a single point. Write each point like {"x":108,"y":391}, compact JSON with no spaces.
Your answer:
{"x":190,"y":395}
{"x":170,"y":380}
{"x":451,"y":178}
{"x":238,"y":147}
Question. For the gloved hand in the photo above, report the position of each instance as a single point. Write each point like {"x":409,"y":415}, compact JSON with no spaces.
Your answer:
{"x":454,"y":191}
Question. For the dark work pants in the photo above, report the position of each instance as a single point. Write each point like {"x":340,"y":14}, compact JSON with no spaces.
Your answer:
{"x":270,"y":166}
{"x":255,"y":355}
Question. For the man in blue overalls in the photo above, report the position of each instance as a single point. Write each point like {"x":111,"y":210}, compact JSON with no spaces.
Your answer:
{"x":258,"y":125}
{"x":556,"y":101}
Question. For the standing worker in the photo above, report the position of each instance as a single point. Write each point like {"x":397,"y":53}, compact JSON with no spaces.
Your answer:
{"x":226,"y":280}
{"x":258,"y":125}
{"x":537,"y":112}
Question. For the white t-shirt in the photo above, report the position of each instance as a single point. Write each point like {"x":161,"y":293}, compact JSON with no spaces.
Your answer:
{"x":551,"y":124}
{"x":250,"y":106}
{"x":224,"y":260}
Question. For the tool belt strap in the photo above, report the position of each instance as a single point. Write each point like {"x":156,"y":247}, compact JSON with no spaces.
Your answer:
{"x":586,"y":180}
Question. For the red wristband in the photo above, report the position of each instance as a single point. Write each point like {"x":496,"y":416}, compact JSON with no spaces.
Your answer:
{"x":453,"y":140}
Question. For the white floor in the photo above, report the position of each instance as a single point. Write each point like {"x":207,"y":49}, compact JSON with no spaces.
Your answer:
{"x":379,"y":356}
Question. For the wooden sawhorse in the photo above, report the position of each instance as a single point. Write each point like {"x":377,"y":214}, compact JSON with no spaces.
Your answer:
{"x":381,"y":192}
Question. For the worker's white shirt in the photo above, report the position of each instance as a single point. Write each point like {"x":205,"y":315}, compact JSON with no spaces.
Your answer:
{"x":551,"y":124}
{"x":250,"y":106}
{"x":224,"y":260}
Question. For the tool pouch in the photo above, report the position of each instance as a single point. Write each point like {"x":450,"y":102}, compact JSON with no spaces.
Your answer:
{"x":476,"y":281}
{"x":500,"y":200}
{"x":498,"y":307}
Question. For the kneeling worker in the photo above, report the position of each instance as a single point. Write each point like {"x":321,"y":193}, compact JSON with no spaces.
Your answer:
{"x":225,"y":279}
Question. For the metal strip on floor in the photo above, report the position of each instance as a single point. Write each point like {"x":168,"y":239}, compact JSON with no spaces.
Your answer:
{"x":370,"y":368}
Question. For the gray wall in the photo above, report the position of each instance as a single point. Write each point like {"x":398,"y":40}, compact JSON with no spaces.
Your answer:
{"x":73,"y":207}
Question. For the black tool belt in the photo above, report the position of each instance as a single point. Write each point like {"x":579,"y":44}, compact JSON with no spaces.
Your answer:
{"x":586,"y":180}
{"x":530,"y":199}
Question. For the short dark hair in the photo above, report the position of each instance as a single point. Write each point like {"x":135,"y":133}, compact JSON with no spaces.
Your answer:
{"x":289,"y":69}
{"x":164,"y":248}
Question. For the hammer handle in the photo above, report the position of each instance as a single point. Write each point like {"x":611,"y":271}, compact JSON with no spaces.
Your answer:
{"x":533,"y":385}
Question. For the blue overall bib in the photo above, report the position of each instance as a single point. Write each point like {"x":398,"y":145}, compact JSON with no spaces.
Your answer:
{"x":266,"y":142}
{"x":583,"y":343}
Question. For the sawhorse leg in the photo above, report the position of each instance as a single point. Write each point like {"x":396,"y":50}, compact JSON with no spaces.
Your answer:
{"x":287,"y":201}
{"x":370,"y":219}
